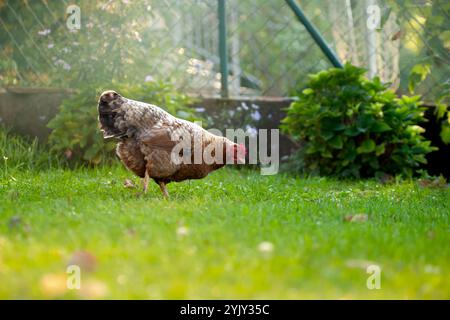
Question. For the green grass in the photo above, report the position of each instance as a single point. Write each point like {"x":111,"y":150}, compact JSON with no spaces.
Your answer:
{"x":18,"y":152}
{"x":48,"y":216}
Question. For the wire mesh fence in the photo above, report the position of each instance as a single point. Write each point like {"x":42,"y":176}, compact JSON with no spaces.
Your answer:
{"x":269,"y":52}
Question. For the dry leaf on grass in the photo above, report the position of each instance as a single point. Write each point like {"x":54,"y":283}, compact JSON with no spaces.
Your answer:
{"x":356,"y":217}
{"x":53,"y":284}
{"x":68,"y":153}
{"x":359,"y":263}
{"x":182,"y":231}
{"x":265,"y":247}
{"x":85,"y":260}
{"x":129,"y":184}
{"x":17,"y":223}
{"x":439,"y":183}
{"x":93,"y":289}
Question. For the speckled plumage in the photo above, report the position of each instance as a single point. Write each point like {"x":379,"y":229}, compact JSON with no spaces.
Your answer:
{"x":148,"y":135}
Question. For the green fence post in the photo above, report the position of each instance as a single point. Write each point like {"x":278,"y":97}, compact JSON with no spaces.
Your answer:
{"x":223,"y":49}
{"x":315,"y":34}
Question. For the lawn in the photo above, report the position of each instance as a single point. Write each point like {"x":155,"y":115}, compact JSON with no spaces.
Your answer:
{"x":235,"y":234}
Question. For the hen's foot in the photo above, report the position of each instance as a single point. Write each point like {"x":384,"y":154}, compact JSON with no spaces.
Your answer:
{"x":145,"y":181}
{"x":163,"y":188}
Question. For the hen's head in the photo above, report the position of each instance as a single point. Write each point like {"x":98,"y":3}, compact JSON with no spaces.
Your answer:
{"x":236,"y":153}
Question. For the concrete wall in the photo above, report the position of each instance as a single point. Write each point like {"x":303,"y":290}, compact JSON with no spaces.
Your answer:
{"x":28,"y":110}
{"x":249,"y":114}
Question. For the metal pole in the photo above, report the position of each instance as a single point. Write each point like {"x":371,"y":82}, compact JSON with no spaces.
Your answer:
{"x":223,"y":49}
{"x":329,"y":53}
{"x":371,"y":41}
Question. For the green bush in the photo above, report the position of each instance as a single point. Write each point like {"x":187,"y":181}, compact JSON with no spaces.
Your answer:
{"x":443,"y":111}
{"x":350,"y":126}
{"x":76,"y":133}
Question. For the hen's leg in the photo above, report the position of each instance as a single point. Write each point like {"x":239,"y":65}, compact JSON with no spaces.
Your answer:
{"x":163,"y":188}
{"x":146,"y":180}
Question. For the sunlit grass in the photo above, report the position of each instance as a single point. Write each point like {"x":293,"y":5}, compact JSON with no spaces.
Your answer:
{"x":17,"y":152}
{"x":235,"y":234}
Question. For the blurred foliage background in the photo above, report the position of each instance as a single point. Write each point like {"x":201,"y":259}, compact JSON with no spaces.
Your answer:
{"x":270,"y":52}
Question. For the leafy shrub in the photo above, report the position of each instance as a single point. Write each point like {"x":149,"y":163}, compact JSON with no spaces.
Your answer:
{"x":76,"y":131}
{"x":443,"y":111}
{"x":350,"y":126}
{"x":418,"y":75}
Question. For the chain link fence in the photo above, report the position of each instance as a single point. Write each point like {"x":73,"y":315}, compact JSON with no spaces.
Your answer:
{"x":269,"y":52}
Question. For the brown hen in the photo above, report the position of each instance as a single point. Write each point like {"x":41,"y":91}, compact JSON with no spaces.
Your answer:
{"x":154,"y":144}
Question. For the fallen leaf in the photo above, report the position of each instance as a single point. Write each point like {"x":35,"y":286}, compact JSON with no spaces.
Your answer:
{"x":265,"y":247}
{"x":130,"y":232}
{"x":129,"y":184}
{"x":85,"y":260}
{"x":68,"y":153}
{"x":359,"y":264}
{"x":356,"y":217}
{"x":439,"y":183}
{"x":14,"y":222}
{"x":53,"y":284}
{"x":182,"y":231}
{"x":386,"y":179}
{"x":432,"y":269}
{"x":93,"y":289}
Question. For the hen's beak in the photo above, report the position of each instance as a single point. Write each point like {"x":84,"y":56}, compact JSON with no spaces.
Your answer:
{"x":237,"y":154}
{"x":241,"y":152}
